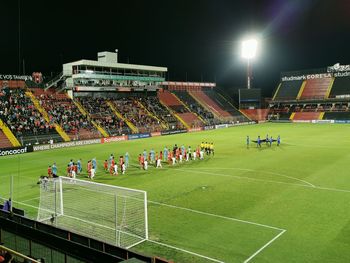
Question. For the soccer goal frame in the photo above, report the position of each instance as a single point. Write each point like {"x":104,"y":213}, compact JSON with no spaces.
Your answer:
{"x":112,"y":214}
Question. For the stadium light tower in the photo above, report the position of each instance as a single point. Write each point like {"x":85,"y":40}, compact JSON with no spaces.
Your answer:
{"x":249,"y":48}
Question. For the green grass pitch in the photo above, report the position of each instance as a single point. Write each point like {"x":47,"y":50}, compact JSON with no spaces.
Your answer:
{"x":280,"y":204}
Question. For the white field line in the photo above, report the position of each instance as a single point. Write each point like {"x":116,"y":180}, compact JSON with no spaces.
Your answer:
{"x":31,"y":199}
{"x":271,"y":181}
{"x":186,"y":251}
{"x":264,"y":246}
{"x":316,"y":146}
{"x":214,"y":215}
{"x":261,"y":171}
{"x":193,"y":211}
{"x":245,"y":177}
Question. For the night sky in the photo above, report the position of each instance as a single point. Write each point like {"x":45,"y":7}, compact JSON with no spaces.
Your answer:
{"x":197,"y":40}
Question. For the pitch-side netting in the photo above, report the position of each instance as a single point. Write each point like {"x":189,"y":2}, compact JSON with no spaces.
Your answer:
{"x":111,"y":214}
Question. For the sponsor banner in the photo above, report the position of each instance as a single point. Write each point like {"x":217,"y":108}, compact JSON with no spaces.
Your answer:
{"x":342,"y":121}
{"x":281,"y":121}
{"x":195,"y":129}
{"x":338,"y":68}
{"x":65,"y":144}
{"x":240,"y":123}
{"x":342,"y":74}
{"x":323,"y":121}
{"x":308,"y":76}
{"x":210,"y":127}
{"x":15,"y":77}
{"x":173,"y":132}
{"x":302,"y":121}
{"x":154,"y":134}
{"x":15,"y":150}
{"x":138,"y":136}
{"x":221,"y":126}
{"x":114,"y":139}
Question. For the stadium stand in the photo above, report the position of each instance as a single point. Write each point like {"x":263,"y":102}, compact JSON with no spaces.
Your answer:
{"x":306,"y":116}
{"x":63,"y":111}
{"x":336,"y":116}
{"x":208,"y":103}
{"x":4,"y":141}
{"x":218,"y":105}
{"x":316,"y":88}
{"x":132,"y":111}
{"x":224,"y":104}
{"x":288,"y":90}
{"x":256,"y":114}
{"x":103,"y":115}
{"x":341,"y":87}
{"x":24,"y":120}
{"x":188,"y":118}
{"x":153,"y":105}
{"x":196,"y":107}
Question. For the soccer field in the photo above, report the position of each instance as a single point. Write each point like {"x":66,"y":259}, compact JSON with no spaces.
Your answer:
{"x":271,"y":204}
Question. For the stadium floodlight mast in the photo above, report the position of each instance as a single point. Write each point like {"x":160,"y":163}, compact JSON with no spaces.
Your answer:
{"x":249,"y":49}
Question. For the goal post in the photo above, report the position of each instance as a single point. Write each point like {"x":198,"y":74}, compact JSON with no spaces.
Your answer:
{"x":51,"y":200}
{"x":112,"y":214}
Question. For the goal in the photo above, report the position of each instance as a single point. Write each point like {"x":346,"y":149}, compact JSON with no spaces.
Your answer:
{"x":112,"y":214}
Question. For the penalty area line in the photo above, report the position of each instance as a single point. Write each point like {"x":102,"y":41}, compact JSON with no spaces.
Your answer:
{"x":264,"y":246}
{"x":214,"y":215}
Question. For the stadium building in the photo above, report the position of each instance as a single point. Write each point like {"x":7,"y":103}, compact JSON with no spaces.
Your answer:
{"x":99,"y":99}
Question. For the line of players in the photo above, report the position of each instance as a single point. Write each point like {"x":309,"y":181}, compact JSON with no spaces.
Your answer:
{"x":111,"y":166}
{"x":268,"y":140}
{"x":176,"y":155}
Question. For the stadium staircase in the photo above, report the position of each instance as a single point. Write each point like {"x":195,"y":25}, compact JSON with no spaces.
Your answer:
{"x":7,"y":138}
{"x":256,"y":114}
{"x":173,"y":104}
{"x":288,"y":90}
{"x":210,"y":105}
{"x":301,"y":90}
{"x":330,"y":86}
{"x":163,"y":124}
{"x":316,"y":88}
{"x":306,"y":116}
{"x":340,"y":87}
{"x":120,"y":116}
{"x":85,"y":113}
{"x":277,"y":91}
{"x":59,"y":78}
{"x":43,"y":112}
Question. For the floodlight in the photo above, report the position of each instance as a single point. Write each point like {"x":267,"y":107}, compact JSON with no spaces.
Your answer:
{"x":249,"y":48}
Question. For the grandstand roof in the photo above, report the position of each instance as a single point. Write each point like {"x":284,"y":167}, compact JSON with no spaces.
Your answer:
{"x":67,"y":68}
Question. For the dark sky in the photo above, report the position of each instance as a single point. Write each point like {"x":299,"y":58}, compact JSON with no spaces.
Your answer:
{"x":197,"y":39}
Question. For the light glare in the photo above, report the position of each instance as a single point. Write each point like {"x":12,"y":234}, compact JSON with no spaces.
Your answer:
{"x":249,"y":48}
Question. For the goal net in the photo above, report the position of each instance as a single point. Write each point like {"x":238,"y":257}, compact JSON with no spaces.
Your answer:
{"x":111,"y":214}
